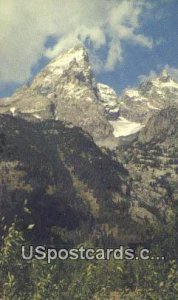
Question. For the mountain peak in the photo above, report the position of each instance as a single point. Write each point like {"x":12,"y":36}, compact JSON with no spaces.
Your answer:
{"x":66,"y":90}
{"x":76,"y":54}
{"x":153,"y":94}
{"x":71,"y":65}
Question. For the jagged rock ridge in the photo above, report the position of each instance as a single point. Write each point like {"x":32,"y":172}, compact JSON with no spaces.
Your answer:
{"x":151,"y":96}
{"x":66,"y":90}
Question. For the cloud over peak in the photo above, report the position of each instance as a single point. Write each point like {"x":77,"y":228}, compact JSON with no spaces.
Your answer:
{"x":25,"y":26}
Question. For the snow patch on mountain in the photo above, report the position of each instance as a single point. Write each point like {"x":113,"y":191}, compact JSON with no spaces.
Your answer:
{"x":124,"y":127}
{"x":77,"y":53}
{"x":152,"y":107}
{"x":12,"y":110}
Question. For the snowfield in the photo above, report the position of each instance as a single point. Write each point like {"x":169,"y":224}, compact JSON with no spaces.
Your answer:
{"x":123,"y":127}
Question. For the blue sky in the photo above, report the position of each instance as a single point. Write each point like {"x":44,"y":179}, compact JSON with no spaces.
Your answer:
{"x":162,"y":26}
{"x":137,"y":39}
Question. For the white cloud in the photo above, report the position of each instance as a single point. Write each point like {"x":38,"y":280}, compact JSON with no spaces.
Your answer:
{"x":25,"y":25}
{"x":153,"y":74}
{"x":172,"y":71}
{"x":114,"y":55}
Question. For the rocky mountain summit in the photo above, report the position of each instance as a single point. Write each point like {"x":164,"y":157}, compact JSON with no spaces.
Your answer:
{"x":151,"y":96}
{"x":66,"y":90}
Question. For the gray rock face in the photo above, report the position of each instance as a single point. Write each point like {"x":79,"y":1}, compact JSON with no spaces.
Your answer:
{"x":109,"y":100}
{"x":153,"y":95}
{"x":162,"y":128}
